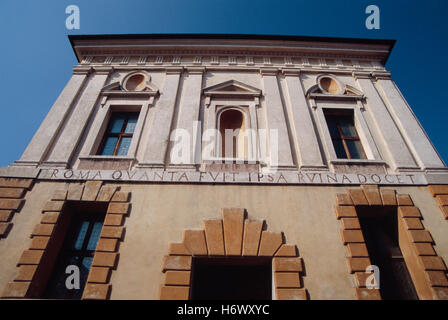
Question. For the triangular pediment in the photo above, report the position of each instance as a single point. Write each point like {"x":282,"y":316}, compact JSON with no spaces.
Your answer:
{"x":232,"y":87}
{"x":349,"y":92}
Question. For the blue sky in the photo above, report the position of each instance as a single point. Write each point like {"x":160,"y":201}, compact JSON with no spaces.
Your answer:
{"x":36,"y":58}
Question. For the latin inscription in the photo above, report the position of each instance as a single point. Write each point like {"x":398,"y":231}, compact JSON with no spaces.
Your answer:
{"x":286,"y":177}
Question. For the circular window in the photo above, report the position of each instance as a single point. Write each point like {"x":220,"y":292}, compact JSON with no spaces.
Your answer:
{"x":330,"y":85}
{"x":135,"y":82}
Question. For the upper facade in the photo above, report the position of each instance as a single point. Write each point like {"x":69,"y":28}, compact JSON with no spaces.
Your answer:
{"x":300,"y":107}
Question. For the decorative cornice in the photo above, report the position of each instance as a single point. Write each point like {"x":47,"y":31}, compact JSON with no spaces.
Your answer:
{"x":82,"y":70}
{"x":174,"y":70}
{"x":269,"y":71}
{"x":291,"y":72}
{"x":381,"y":76}
{"x":103,"y":70}
{"x":195,"y":70}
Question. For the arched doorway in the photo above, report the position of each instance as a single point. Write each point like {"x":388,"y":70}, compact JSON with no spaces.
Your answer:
{"x":232,"y":130}
{"x":233,"y":241}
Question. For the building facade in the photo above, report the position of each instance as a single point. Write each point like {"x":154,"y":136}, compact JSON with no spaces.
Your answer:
{"x":210,"y":167}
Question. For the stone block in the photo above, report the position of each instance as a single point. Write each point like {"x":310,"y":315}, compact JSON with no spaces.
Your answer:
{"x":368,"y":294}
{"x":441,"y":293}
{"x":287,"y":250}
{"x":25,"y":273}
{"x":91,"y":189}
{"x":233,"y":230}
{"x":96,"y":291}
{"x":353,"y":236}
{"x":98,"y":275}
{"x":438,"y":189}
{"x":60,"y":195}
{"x":4,"y":228}
{"x":14,"y":193}
{"x":437,"y":278}
{"x":113,"y":220}
{"x":281,"y":264}
{"x":178,"y":249}
{"x":5,"y":215}
{"x":425,"y":249}
{"x":343,"y":199}
{"x":345,"y":212}
{"x":105,"y":259}
{"x":291,"y":294}
{"x":358,"y":197}
{"x":358,"y":264}
{"x":350,"y":223}
{"x":409,"y":212}
{"x":442,"y":199}
{"x":177,"y":278}
{"x":177,"y":263}
{"x":121,"y":196}
{"x":16,"y":183}
{"x":413,"y":223}
{"x":270,"y":243}
{"x":420,"y":236}
{"x":357,"y":250}
{"x":31,"y":257}
{"x":43,"y":230}
{"x":75,"y":191}
{"x":53,"y":206}
{"x":372,"y":194}
{"x":252,"y":236}
{"x":214,"y":236}
{"x":194,"y":241}
{"x":10,"y":204}
{"x":174,"y":293}
{"x":118,"y":208}
{"x":39,"y":242}
{"x":16,"y":289}
{"x":404,"y":200}
{"x":388,"y":196}
{"x":50,"y":217}
{"x":106,"y":193}
{"x":112,"y":232}
{"x":433,"y":263}
{"x":287,"y":280}
{"x":108,"y":245}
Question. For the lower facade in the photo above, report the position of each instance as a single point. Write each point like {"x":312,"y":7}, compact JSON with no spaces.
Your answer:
{"x":196,"y":241}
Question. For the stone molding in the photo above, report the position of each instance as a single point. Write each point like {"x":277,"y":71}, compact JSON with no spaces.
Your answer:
{"x":233,"y":235}
{"x":440,"y":192}
{"x":427,"y":269}
{"x":26,"y":283}
{"x":12,"y":198}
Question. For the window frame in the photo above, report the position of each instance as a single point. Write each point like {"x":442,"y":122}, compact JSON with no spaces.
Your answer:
{"x":368,"y":144}
{"x":100,"y":123}
{"x":120,"y":135}
{"x":341,"y":137}
{"x":73,"y":220}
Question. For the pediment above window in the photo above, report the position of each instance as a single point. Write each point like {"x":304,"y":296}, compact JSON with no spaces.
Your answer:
{"x":329,"y":87}
{"x":231,"y":88}
{"x":137,"y":83}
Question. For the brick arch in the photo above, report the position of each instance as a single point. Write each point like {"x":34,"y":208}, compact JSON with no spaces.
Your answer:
{"x":28,"y":281}
{"x":233,"y":235}
{"x":427,"y":269}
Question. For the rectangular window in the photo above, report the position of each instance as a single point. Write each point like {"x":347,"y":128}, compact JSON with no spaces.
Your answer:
{"x":119,"y":134}
{"x":77,"y":250}
{"x":346,"y":142}
{"x":247,"y":278}
{"x":380,"y":230}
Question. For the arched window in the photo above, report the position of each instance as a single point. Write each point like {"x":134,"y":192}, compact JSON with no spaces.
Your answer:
{"x":232,"y":129}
